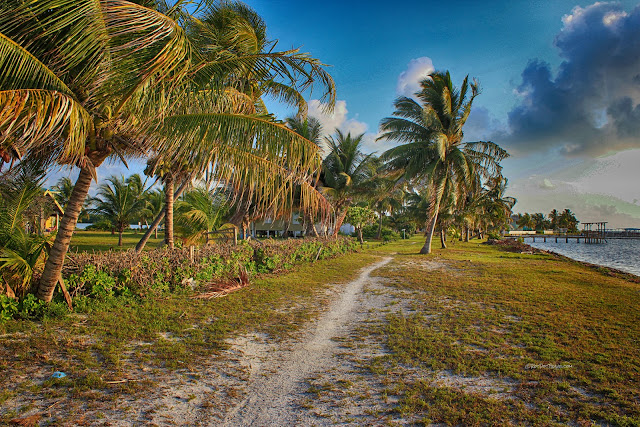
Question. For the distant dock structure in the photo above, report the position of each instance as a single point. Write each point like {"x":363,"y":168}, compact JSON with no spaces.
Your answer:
{"x":592,"y":232}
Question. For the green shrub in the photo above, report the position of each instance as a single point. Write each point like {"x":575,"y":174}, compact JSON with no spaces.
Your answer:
{"x":387,"y":234}
{"x":8,"y":308}
{"x":112,"y":274}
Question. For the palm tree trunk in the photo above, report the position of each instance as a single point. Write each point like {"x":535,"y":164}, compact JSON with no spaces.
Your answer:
{"x":467,"y":234}
{"x":153,"y":228}
{"x":426,"y":249}
{"x":443,"y":240}
{"x":168,"y":206}
{"x":339,"y":222}
{"x":360,"y":239}
{"x":286,"y":226}
{"x":53,"y":266}
{"x":379,"y":235}
{"x":120,"y":237}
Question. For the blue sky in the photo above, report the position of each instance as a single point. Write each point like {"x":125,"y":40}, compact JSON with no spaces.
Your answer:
{"x":560,"y":80}
{"x":560,"y":85}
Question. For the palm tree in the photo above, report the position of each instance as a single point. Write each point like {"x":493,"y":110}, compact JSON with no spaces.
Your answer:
{"x":154,"y":205}
{"x":109,"y":78}
{"x":344,"y":171}
{"x":433,"y":154}
{"x":385,"y":196}
{"x":119,"y":201}
{"x":263,"y":162}
{"x":21,"y":253}
{"x":199,"y":211}
{"x":311,"y":129}
{"x":525,"y":221}
{"x":554,"y":216}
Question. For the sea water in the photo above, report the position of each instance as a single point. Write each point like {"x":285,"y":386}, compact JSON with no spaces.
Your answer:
{"x":623,"y":254}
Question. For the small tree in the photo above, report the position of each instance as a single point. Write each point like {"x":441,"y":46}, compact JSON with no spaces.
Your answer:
{"x":119,"y":201}
{"x":359,"y":217}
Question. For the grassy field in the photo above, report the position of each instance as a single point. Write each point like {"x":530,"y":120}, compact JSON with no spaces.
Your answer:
{"x":492,"y":338}
{"x":511,"y":338}
{"x":87,"y":241}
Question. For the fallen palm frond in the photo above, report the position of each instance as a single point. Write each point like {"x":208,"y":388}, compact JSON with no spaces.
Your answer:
{"x":220,"y":289}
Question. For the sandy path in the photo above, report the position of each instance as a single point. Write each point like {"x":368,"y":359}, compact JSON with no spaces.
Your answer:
{"x":277,"y":378}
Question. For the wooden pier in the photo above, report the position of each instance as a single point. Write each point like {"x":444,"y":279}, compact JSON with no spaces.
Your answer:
{"x":592,"y":232}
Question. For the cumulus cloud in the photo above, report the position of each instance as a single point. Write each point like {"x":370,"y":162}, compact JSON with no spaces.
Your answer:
{"x":417,"y":70}
{"x":591,"y":105}
{"x":481,"y":126}
{"x":546,"y":184}
{"x":339,"y":119}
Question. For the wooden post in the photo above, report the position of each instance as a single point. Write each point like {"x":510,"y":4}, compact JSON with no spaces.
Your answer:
{"x":235,"y":236}
{"x":192,"y":250}
{"x":556,"y":239}
{"x":545,"y":239}
{"x":67,"y":297}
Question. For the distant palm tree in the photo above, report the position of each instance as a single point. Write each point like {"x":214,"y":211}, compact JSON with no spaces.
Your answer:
{"x":155,"y":204}
{"x":119,"y":201}
{"x":433,"y":154}
{"x":554,"y":216}
{"x":526,"y":222}
{"x":344,"y":171}
{"x":311,"y":129}
{"x":199,"y":211}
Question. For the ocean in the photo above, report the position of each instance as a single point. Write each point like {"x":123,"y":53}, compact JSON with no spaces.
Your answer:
{"x":623,"y":254}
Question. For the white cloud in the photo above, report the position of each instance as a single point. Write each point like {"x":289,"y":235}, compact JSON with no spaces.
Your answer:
{"x":417,"y":70}
{"x":546,"y":184}
{"x":339,"y":119}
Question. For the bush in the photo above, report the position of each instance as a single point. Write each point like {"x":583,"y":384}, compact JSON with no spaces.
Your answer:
{"x":28,"y":308}
{"x":387,"y":234}
{"x":112,"y":274}
{"x":101,"y":225}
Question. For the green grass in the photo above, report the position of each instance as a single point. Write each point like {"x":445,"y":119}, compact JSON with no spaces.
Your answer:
{"x":564,"y":337}
{"x":490,"y":316}
{"x":123,"y":336}
{"x":87,"y":241}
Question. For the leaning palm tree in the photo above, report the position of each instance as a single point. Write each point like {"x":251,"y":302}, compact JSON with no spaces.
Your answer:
{"x":344,"y":171}
{"x":199,"y":211}
{"x":119,"y":201}
{"x":83,"y":80}
{"x":263,"y":159}
{"x":433,"y":154}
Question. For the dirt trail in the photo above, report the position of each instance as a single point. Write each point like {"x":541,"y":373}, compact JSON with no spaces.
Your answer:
{"x":278,"y":372}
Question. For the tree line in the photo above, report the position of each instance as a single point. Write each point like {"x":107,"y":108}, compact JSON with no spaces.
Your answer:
{"x":554,"y":221}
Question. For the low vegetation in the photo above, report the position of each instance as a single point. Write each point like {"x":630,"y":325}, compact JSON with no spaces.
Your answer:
{"x":497,"y":336}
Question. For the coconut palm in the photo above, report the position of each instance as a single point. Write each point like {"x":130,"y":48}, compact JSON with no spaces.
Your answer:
{"x":119,"y":201}
{"x":82,"y":80}
{"x":433,"y":154}
{"x":525,"y":221}
{"x":155,"y":204}
{"x":257,"y":166}
{"x":385,"y":196}
{"x":344,"y":171}
{"x":21,"y":253}
{"x":199,"y":211}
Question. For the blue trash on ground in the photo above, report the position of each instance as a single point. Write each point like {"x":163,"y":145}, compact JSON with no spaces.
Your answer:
{"x":58,"y":374}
